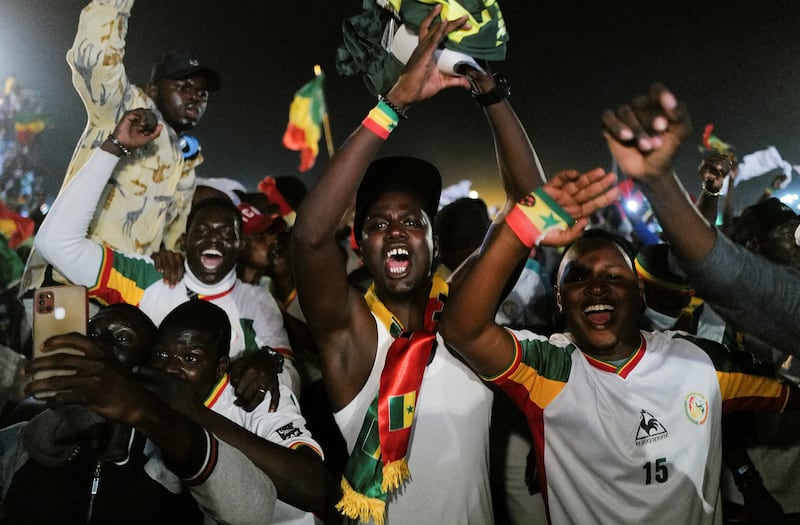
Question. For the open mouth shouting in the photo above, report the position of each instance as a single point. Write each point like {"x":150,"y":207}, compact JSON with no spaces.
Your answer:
{"x":397,"y":262}
{"x":211,"y":259}
{"x":599,"y":315}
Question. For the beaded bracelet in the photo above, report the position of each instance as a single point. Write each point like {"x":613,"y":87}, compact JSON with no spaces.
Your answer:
{"x":536,"y":215}
{"x":400,"y":112}
{"x":112,"y":139}
{"x":381,"y":120}
{"x":711,"y":193}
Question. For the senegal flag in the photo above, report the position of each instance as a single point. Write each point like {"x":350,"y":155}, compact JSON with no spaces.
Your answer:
{"x":401,"y":411}
{"x":305,"y":122}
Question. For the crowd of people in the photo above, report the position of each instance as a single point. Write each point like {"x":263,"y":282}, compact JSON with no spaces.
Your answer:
{"x":352,"y":353}
{"x":21,"y":121}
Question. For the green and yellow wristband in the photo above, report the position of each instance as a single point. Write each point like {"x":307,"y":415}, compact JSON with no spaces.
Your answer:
{"x":536,"y":215}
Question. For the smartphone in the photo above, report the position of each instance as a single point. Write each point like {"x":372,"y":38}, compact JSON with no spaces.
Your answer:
{"x":58,"y":310}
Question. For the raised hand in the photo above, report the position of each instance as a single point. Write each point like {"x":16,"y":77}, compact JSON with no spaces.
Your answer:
{"x":580,"y":195}
{"x":421,"y":77}
{"x":173,"y":390}
{"x":645,"y":134}
{"x":170,"y":264}
{"x":713,"y":172}
{"x":137,"y":127}
{"x":255,"y":374}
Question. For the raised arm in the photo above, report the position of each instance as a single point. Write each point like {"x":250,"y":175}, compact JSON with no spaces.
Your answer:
{"x":339,"y":319}
{"x":468,"y":321}
{"x":63,"y":237}
{"x":520,"y":169}
{"x":644,"y":137}
{"x":713,"y":172}
{"x":707,"y":202}
{"x":98,"y":72}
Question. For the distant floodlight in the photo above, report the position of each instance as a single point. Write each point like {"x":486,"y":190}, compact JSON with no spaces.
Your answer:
{"x":472,"y":194}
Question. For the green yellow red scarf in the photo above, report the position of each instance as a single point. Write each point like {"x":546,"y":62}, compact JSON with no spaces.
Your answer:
{"x":378,"y":462}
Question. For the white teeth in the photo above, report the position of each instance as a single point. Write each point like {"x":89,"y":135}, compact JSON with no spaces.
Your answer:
{"x":396,"y":271}
{"x":397,"y":251}
{"x":212,"y":252}
{"x":598,"y":308}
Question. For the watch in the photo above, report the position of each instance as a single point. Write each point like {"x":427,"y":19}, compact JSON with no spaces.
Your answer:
{"x":501,"y":90}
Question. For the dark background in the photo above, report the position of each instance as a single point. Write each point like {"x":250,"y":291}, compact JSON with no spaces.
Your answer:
{"x":734,"y":63}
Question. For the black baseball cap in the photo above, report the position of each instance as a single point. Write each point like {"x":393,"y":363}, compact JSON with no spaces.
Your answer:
{"x":184,"y":63}
{"x":408,"y":174}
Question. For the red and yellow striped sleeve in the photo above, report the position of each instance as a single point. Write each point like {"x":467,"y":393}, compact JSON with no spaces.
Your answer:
{"x":741,"y":391}
{"x":525,"y":380}
{"x":122,"y":279}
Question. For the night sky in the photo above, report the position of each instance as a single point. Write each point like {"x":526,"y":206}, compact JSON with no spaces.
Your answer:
{"x":735,"y":64}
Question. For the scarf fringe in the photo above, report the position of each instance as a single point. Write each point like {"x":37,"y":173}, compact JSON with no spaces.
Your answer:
{"x":358,"y":506}
{"x":395,"y":473}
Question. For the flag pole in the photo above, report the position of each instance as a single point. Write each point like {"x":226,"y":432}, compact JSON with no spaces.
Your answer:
{"x":326,"y":124}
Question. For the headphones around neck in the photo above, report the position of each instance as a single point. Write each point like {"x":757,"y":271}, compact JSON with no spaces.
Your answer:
{"x":190,"y":146}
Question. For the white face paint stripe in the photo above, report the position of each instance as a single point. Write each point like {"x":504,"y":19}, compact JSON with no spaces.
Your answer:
{"x":428,"y":232}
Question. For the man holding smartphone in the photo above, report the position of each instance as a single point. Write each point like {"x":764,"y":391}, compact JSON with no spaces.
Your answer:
{"x":108,"y":444}
{"x":213,"y":243}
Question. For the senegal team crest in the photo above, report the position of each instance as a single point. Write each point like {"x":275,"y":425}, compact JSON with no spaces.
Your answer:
{"x":696,"y":406}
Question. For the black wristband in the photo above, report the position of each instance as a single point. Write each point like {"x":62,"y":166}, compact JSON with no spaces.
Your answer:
{"x":400,"y":113}
{"x":501,"y":91}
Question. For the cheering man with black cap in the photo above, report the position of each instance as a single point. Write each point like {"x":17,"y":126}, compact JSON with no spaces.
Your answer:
{"x":415,"y":417}
{"x":151,"y":190}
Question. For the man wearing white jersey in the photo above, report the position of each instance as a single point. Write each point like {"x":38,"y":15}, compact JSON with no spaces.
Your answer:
{"x":626,"y":422}
{"x":192,"y":344}
{"x":213,"y":242}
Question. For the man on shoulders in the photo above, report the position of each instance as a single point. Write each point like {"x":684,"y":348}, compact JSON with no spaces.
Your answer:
{"x":150,"y":196}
